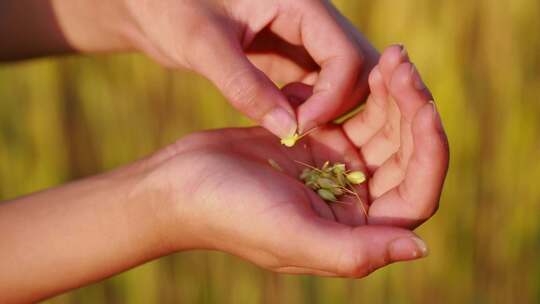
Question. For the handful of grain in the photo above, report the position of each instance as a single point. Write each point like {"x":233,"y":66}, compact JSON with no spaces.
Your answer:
{"x":331,"y":181}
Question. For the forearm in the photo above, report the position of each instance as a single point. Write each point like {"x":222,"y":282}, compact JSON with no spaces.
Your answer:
{"x":31,"y":28}
{"x":79,"y":233}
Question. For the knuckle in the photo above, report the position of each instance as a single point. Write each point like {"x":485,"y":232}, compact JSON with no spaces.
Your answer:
{"x":445,"y":145}
{"x":370,"y":117}
{"x":354,"y":262}
{"x":274,"y":265}
{"x":388,"y":132}
{"x":400,"y":160}
{"x":359,"y":266}
{"x":435,"y":208}
{"x":421,"y":209}
{"x":427,"y":210}
{"x":425,"y":213}
{"x":243,"y":90}
{"x":198,"y":32}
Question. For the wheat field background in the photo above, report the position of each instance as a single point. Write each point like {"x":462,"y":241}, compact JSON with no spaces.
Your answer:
{"x":66,"y":118}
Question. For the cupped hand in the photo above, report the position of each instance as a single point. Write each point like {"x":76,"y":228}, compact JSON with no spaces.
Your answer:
{"x":245,"y":46}
{"x":401,"y":141}
{"x":228,"y":197}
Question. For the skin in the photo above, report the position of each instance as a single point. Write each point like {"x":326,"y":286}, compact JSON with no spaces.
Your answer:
{"x":215,"y":190}
{"x":242,"y":46}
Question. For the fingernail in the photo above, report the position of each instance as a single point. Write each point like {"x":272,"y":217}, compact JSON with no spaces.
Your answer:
{"x":417,"y":81}
{"x":404,"y":54}
{"x":307,"y":126}
{"x":280,"y":122}
{"x":407,"y":248}
{"x":434,"y":108}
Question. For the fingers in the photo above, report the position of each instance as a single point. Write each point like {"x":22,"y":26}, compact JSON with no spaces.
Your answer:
{"x":384,"y":141}
{"x":410,"y":95}
{"x":335,"y":49}
{"x":331,"y":249}
{"x":363,"y":126}
{"x":391,"y":58}
{"x":247,"y":88}
{"x":387,"y":140}
{"x":400,"y":195}
{"x":408,"y":90}
{"x":281,"y":61}
{"x":417,"y":197}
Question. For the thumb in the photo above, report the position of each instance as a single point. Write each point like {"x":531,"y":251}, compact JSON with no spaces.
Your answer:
{"x":334,"y":248}
{"x":247,"y":88}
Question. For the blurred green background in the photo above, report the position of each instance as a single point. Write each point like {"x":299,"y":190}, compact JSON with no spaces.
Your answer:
{"x":65,"y":118}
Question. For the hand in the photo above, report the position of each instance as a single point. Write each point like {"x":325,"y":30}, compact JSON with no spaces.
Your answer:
{"x":240,"y":45}
{"x":216,"y":190}
{"x":227,"y":197}
{"x":288,"y":40}
{"x":402,"y":142}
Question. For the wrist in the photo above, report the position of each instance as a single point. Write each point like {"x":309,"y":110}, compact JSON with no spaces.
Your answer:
{"x":164,"y":185}
{"x":93,"y":26}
